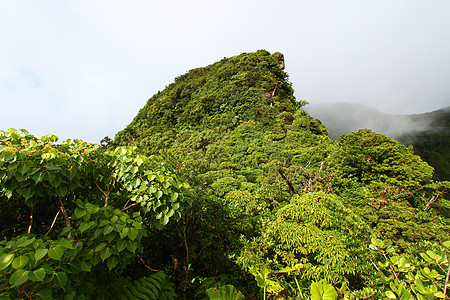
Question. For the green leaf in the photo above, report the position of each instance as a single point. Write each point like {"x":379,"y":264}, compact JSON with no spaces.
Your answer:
{"x":20,"y":262}
{"x":23,"y":169}
{"x":48,"y":269}
{"x":105,"y":253}
{"x":132,"y":246}
{"x":390,"y":295}
{"x":85,"y":226}
{"x":100,"y":247}
{"x":65,"y":243}
{"x":44,"y":294}
{"x":446,"y":244}
{"x":321,"y":291}
{"x":165,"y":220}
{"x":426,"y":257}
{"x":37,"y":275}
{"x":121,"y":245}
{"x":403,"y":293}
{"x":112,"y":262}
{"x":124,"y":232}
{"x":108,"y":229}
{"x":85,"y":266}
{"x":38,"y":177}
{"x":174,"y":196}
{"x":56,"y":252}
{"x":19,"y":277}
{"x":226,"y":292}
{"x":79,"y":212}
{"x":6,"y":260}
{"x":27,"y":193}
{"x":62,"y":190}
{"x":60,"y":279}
{"x":24,"y":241}
{"x":133,"y":233}
{"x":114,"y":219}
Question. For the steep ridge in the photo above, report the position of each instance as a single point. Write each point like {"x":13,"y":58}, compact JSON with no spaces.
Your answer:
{"x":270,"y":189}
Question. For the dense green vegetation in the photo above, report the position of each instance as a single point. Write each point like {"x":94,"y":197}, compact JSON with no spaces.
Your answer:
{"x":222,"y":187}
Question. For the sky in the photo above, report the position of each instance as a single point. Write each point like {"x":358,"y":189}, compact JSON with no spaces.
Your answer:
{"x":83,"y":69}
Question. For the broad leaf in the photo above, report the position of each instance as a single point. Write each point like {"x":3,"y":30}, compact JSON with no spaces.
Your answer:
{"x":39,"y":254}
{"x":20,"y":262}
{"x":37,"y":275}
{"x":56,"y":252}
{"x":6,"y":260}
{"x":60,"y":279}
{"x":321,"y":291}
{"x":19,"y":277}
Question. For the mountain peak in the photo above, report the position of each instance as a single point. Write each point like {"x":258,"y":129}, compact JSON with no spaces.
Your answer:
{"x":246,"y":87}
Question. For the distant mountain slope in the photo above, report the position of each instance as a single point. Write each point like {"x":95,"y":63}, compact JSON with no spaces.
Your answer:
{"x":429,"y":133}
{"x":433,"y":145}
{"x":343,"y":118}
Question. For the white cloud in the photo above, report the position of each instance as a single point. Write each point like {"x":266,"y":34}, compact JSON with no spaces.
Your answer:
{"x":84,"y":68}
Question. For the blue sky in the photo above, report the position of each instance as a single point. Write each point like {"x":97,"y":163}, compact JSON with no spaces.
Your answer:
{"x":83,"y":69}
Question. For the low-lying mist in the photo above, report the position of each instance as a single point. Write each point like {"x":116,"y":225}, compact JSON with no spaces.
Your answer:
{"x":343,"y":118}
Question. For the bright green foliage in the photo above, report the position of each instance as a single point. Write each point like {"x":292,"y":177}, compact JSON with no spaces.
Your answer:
{"x":98,"y":239}
{"x":251,"y":193}
{"x":37,"y":172}
{"x":390,"y":187}
{"x":33,"y":266}
{"x":226,"y":292}
{"x":318,"y":232}
{"x":102,"y":238}
{"x":241,"y":153}
{"x":271,"y":190}
{"x":110,"y":236}
{"x":322,"y":291}
{"x":402,"y":278}
{"x":386,"y":164}
{"x":250,"y":86}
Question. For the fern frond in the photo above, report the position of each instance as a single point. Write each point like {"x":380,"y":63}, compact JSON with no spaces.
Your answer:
{"x":155,"y":286}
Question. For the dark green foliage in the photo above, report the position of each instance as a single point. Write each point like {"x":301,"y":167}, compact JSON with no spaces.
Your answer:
{"x":433,"y":144}
{"x":154,"y":286}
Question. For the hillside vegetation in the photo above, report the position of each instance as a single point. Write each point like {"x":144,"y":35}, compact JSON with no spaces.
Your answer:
{"x":222,"y":187}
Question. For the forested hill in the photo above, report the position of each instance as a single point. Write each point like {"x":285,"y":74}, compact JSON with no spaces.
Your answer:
{"x":271,"y":192}
{"x":247,"y":87}
{"x":222,"y":187}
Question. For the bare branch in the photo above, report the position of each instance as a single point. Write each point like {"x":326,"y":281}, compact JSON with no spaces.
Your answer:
{"x":53,"y":223}
{"x":127,"y":207}
{"x":106,"y":194}
{"x":143,"y":262}
{"x":286,"y":179}
{"x":432,"y":200}
{"x":31,"y":220}
{"x":63,"y":210}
